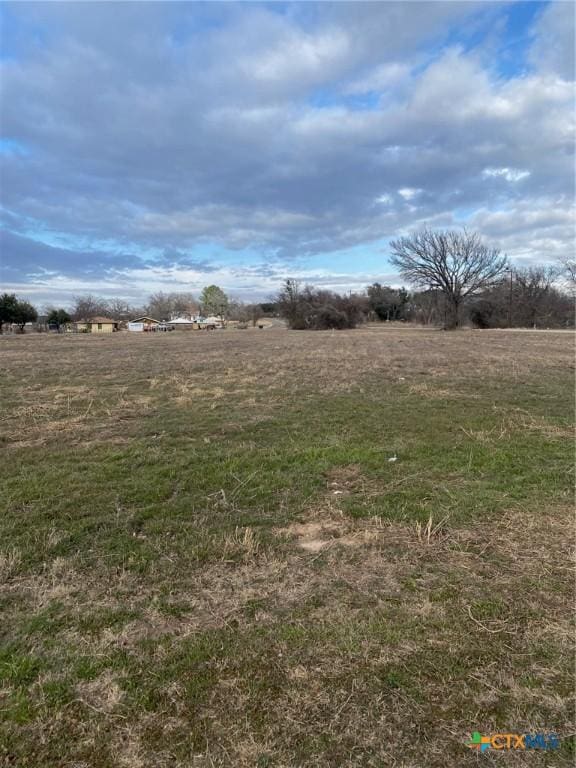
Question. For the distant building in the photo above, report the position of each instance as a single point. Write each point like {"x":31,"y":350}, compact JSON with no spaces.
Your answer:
{"x":183,"y":324}
{"x":143,"y":324}
{"x":213,"y":321}
{"x":197,"y":323}
{"x":96,"y":325}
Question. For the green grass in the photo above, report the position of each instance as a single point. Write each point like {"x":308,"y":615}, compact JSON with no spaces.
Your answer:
{"x":161,"y":605}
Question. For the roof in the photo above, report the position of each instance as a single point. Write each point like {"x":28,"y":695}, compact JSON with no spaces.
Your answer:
{"x":180,"y":321}
{"x":99,"y":320}
{"x":145,"y":319}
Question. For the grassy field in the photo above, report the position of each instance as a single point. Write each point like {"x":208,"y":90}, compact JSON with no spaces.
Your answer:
{"x":279,"y":549}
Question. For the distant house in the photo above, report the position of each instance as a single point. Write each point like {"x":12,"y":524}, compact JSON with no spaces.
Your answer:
{"x":96,"y":325}
{"x":183,"y":324}
{"x":197,"y":323}
{"x":213,"y":321}
{"x":143,"y":324}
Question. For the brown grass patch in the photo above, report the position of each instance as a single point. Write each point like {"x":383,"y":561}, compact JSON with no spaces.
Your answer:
{"x":102,"y":694}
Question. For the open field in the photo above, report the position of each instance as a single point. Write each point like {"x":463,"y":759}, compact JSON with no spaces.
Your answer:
{"x":209,"y":558}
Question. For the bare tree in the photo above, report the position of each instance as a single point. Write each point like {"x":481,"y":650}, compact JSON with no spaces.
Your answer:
{"x":456,"y":263}
{"x":289,"y":303}
{"x":160,"y":306}
{"x":255,"y":312}
{"x":426,"y":307}
{"x":120,"y":310}
{"x":568,"y":273}
{"x":184,"y":304}
{"x":244,"y":313}
{"x":531,"y":289}
{"x":89,"y":306}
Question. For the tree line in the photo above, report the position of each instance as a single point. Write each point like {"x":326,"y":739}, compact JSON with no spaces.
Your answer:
{"x":213,"y":301}
{"x":523,"y":298}
{"x":161,"y":306}
{"x":457,"y":280}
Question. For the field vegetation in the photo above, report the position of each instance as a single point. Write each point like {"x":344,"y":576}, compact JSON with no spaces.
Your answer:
{"x":283,"y":549}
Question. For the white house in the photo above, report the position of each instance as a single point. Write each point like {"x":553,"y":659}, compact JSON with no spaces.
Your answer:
{"x":183,"y":324}
{"x":143,"y":324}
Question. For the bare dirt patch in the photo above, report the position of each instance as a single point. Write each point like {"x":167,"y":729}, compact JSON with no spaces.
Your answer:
{"x":102,"y":694}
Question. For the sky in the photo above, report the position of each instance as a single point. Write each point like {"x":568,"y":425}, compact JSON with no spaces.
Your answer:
{"x":170,"y":145}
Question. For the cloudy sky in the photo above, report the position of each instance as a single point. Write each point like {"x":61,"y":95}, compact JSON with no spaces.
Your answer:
{"x":165,"y":146}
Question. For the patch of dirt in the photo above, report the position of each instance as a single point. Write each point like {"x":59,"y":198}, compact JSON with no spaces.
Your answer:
{"x":312,"y":536}
{"x":327,"y":525}
{"x":317,"y":535}
{"x":103,"y":694}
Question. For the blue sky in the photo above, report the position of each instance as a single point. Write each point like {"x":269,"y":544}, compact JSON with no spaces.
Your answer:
{"x":148,"y":146}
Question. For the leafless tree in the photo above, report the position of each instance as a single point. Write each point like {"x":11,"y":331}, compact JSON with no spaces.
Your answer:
{"x":455,"y":262}
{"x":528,"y":297}
{"x":426,"y":307}
{"x":255,"y":312}
{"x":119,"y":309}
{"x":89,"y":306}
{"x":289,"y":302}
{"x":165,"y":306}
{"x":184,"y":304}
{"x":532,"y":288}
{"x":159,"y":306}
{"x":244,"y":313}
{"x":568,"y":273}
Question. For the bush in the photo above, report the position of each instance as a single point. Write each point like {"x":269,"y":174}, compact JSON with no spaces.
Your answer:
{"x":317,"y":310}
{"x":330,"y":318}
{"x":482,"y":315}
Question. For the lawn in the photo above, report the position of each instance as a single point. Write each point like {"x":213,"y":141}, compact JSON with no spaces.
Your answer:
{"x":285,"y":549}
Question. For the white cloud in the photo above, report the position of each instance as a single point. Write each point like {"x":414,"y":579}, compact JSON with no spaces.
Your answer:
{"x":537,"y":229}
{"x":381,"y":78}
{"x":553,"y":50}
{"x":510,"y":174}
{"x":298,"y":57}
{"x":409,"y":193}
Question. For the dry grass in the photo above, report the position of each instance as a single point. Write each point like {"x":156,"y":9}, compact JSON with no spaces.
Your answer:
{"x":285,"y":549}
{"x":60,"y":410}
